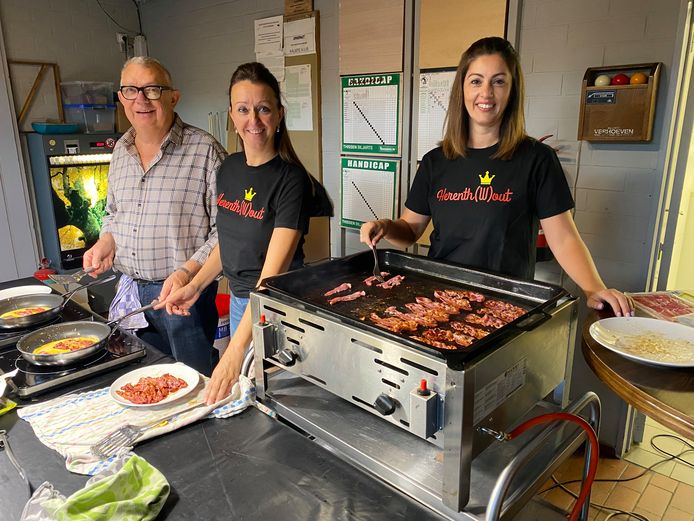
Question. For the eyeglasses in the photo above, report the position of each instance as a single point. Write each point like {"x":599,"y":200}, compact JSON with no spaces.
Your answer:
{"x":151,"y":92}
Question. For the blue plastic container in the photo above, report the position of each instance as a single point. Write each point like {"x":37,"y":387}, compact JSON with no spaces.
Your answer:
{"x":56,"y":128}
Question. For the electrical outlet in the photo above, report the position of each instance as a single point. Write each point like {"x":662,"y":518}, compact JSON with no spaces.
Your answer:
{"x":122,"y":40}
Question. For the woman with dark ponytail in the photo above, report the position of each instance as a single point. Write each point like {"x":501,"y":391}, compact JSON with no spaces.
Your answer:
{"x":265,"y":199}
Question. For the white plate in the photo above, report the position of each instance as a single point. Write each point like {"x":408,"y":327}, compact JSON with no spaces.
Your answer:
{"x":3,"y":381}
{"x":190,"y":375}
{"x":649,"y":340}
{"x":34,"y":289}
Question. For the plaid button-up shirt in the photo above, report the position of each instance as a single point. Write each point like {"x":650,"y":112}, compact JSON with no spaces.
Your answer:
{"x":165,"y":216}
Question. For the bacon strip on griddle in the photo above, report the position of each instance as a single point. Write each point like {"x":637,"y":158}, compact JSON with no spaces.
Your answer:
{"x":444,"y":335}
{"x":485,"y":320}
{"x":347,"y":298}
{"x":370,"y":280}
{"x":469,"y":330}
{"x":502,"y":310}
{"x":421,"y":319}
{"x":452,"y":298}
{"x":338,"y":289}
{"x":463,"y":339}
{"x":395,"y":280}
{"x":470,"y":295}
{"x":437,"y":314}
{"x":430,"y":304}
{"x":394,"y":324}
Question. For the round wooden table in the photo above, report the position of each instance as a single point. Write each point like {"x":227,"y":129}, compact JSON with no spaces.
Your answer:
{"x":662,"y":393}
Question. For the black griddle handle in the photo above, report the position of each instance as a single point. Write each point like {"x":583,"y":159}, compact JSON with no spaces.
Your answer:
{"x":533,"y":320}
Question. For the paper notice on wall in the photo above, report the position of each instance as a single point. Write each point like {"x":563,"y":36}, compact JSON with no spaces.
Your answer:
{"x":274,"y":61}
{"x":434,"y":94}
{"x":300,"y":37}
{"x":297,"y":95}
{"x":368,"y":190}
{"x":371,"y":113}
{"x":268,"y":34}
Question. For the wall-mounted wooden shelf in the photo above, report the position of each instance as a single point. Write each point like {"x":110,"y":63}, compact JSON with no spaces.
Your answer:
{"x":619,"y":113}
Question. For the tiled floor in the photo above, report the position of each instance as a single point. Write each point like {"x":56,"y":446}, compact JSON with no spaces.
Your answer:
{"x":656,"y":496}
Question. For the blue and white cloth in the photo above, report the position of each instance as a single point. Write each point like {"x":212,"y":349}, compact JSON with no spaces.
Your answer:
{"x":127,"y":299}
{"x":71,"y":424}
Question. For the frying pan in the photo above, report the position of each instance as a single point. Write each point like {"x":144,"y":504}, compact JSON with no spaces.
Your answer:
{"x":55,"y":304}
{"x":102,"y":331}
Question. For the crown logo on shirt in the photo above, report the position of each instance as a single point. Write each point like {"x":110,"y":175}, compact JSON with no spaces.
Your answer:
{"x":486,"y":180}
{"x":249,"y":194}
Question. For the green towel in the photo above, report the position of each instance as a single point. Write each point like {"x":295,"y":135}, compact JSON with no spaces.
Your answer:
{"x":136,"y":492}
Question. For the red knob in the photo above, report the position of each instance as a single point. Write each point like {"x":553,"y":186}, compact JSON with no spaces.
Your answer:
{"x":262,"y":318}
{"x":422,"y":390}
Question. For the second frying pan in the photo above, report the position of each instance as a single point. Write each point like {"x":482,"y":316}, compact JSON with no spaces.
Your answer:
{"x":54,"y":303}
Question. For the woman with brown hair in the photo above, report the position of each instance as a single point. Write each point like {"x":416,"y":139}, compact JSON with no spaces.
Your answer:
{"x":265,"y":198}
{"x":489,"y":185}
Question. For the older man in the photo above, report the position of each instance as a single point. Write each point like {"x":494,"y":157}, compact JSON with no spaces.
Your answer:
{"x":160,"y":222}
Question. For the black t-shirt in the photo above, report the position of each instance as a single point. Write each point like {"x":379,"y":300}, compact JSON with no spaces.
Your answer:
{"x":251,"y":203}
{"x":485,"y":211}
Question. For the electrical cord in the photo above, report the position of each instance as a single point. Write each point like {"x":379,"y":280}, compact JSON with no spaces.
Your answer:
{"x":615,"y":511}
{"x":5,"y":446}
{"x":139,"y":17}
{"x":677,"y":457}
{"x":113,"y":19}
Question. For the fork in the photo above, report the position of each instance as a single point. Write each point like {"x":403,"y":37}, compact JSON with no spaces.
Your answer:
{"x":127,"y":434}
{"x":377,"y":268}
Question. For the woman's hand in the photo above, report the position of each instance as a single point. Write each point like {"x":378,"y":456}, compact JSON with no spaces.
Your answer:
{"x":373,"y":231}
{"x":180,"y":301}
{"x":173,"y":282}
{"x":225,"y":375}
{"x":621,"y":304}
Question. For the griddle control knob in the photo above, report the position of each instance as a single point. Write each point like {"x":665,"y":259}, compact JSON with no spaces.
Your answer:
{"x":385,"y":404}
{"x":287,"y":357}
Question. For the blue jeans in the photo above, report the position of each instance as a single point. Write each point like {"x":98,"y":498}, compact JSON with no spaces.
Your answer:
{"x":188,"y":339}
{"x":237,"y":307}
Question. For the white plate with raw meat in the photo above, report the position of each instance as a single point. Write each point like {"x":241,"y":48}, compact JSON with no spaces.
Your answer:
{"x":154,"y":385}
{"x":648,"y":340}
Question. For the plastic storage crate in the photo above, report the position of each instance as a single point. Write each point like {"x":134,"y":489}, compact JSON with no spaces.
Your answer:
{"x":91,"y":118}
{"x":87,"y":92}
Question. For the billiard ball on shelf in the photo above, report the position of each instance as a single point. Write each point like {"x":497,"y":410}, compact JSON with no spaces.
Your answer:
{"x":602,"y":80}
{"x":620,"y":79}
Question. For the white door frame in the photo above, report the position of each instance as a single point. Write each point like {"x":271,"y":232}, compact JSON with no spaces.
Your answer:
{"x":20,"y":256}
{"x":677,"y":152}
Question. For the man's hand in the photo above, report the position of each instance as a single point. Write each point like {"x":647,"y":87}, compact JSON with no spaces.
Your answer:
{"x":100,"y":256}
